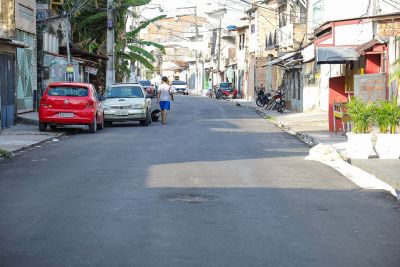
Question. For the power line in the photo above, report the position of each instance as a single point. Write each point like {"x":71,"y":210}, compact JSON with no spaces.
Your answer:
{"x":391,"y":4}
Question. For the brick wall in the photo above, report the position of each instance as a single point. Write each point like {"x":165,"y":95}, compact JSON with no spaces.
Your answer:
{"x":25,"y":15}
{"x":370,"y":87}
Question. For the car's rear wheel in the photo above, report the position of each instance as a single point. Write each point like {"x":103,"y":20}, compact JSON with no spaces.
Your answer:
{"x":93,"y":126}
{"x":101,"y":125}
{"x":42,"y":126}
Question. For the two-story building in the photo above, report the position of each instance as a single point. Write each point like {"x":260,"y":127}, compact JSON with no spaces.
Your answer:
{"x":17,"y":58}
{"x":350,"y":53}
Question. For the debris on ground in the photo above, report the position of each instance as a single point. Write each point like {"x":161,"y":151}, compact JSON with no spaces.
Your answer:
{"x":323,"y":153}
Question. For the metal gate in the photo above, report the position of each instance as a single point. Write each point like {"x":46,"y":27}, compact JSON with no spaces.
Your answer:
{"x":25,"y":78}
{"x":7,"y":81}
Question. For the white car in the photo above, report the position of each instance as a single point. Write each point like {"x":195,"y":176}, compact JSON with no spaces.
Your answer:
{"x":126,"y":102}
{"x":180,"y":87}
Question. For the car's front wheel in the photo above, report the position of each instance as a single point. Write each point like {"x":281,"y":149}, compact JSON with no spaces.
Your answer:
{"x":42,"y":126}
{"x":93,"y":126}
{"x":146,"y":121}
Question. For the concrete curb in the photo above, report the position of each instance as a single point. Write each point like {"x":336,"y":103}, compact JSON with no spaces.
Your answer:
{"x":305,"y":138}
{"x":28,"y":121}
{"x":24,"y":148}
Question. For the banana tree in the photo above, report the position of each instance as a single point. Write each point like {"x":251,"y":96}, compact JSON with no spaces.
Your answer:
{"x":131,"y":49}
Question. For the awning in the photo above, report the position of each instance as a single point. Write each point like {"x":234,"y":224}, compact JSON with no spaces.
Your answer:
{"x":336,"y":55}
{"x":279,"y":59}
{"x":368,"y":45}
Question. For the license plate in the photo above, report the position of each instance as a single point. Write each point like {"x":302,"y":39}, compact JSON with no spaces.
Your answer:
{"x":66,"y":115}
{"x":121,"y":112}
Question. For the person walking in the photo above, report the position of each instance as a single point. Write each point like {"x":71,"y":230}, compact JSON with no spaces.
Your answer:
{"x":164,"y":97}
{"x":210,"y":93}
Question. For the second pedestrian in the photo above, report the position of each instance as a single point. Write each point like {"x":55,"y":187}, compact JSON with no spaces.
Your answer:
{"x":164,"y":97}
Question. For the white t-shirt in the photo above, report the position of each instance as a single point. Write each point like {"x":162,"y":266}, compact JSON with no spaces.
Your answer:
{"x":165,"y":91}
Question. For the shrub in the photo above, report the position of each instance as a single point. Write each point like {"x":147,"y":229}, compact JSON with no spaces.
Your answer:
{"x":361,"y":114}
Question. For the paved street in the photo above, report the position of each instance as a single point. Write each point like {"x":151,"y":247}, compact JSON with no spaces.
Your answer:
{"x":217,"y":186}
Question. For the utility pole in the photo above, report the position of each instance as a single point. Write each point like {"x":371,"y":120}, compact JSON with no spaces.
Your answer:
{"x":219,"y":49}
{"x":197,"y":83}
{"x":110,"y":74}
{"x":67,"y":37}
{"x":135,"y":23}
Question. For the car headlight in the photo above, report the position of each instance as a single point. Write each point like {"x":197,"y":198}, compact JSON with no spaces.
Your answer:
{"x":137,"y":106}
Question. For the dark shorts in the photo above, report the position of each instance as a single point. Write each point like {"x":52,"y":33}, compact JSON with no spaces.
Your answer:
{"x":165,"y":105}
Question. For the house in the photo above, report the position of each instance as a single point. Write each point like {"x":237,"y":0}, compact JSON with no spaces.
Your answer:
{"x":178,"y":35}
{"x":352,"y":52}
{"x":290,"y":37}
{"x":53,"y":60}
{"x":17,"y":58}
{"x":261,"y":49}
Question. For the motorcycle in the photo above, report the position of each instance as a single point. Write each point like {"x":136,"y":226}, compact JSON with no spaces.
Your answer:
{"x":278,"y":102}
{"x":226,"y":94}
{"x":262,"y":98}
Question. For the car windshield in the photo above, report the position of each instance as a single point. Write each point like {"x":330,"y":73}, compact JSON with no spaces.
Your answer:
{"x":124,"y":92}
{"x":145,"y":83}
{"x":225,"y":85}
{"x":178,"y":83}
{"x":68,"y":91}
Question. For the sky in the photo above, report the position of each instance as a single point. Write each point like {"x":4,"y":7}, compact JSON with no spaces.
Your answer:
{"x":235,"y":9}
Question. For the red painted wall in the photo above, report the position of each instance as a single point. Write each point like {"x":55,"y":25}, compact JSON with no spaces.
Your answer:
{"x":373,"y":63}
{"x":337,"y":93}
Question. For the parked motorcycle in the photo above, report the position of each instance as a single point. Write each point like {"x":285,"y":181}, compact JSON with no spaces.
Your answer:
{"x":278,"y":102}
{"x":263,"y":99}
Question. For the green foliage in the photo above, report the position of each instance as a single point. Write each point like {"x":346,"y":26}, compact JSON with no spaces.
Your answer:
{"x":5,"y":154}
{"x":387,"y":116}
{"x":89,"y":31}
{"x":361,"y":114}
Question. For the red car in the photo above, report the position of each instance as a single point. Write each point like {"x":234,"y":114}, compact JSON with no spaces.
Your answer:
{"x":70,"y":103}
{"x":226,"y":90}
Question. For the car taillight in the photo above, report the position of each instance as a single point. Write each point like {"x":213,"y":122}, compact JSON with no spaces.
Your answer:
{"x":43,"y":102}
{"x":89,"y":104}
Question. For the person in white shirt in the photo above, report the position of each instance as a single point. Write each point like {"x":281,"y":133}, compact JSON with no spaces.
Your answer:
{"x":164,"y":97}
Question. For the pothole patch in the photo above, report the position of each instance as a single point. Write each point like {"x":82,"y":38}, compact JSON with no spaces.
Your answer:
{"x":191,"y":198}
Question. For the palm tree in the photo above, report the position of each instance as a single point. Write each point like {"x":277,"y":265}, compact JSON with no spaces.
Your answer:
{"x":130,"y":49}
{"x":89,"y":20}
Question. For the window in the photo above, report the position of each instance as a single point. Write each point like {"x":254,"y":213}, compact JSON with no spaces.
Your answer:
{"x":241,"y":41}
{"x":317,"y":14}
{"x":68,"y":91}
{"x":177,"y":82}
{"x":124,"y":92}
{"x":25,"y":12}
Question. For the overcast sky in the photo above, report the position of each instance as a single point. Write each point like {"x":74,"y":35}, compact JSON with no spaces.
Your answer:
{"x":234,"y":8}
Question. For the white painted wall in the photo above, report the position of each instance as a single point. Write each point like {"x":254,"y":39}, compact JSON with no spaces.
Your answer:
{"x":347,"y":9}
{"x":353,"y":34}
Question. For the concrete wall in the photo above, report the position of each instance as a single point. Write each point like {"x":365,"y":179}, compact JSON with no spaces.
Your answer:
{"x":7,"y":22}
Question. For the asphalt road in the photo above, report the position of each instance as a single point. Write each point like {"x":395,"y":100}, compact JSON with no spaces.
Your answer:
{"x":216,"y":186}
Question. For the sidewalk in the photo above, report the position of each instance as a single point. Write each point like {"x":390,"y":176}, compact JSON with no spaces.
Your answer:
{"x":312,"y":128}
{"x":22,"y":136}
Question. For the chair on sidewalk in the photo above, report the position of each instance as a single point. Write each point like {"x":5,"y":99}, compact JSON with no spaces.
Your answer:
{"x":339,"y":112}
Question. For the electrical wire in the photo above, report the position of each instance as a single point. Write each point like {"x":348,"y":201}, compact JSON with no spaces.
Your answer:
{"x":391,"y":4}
